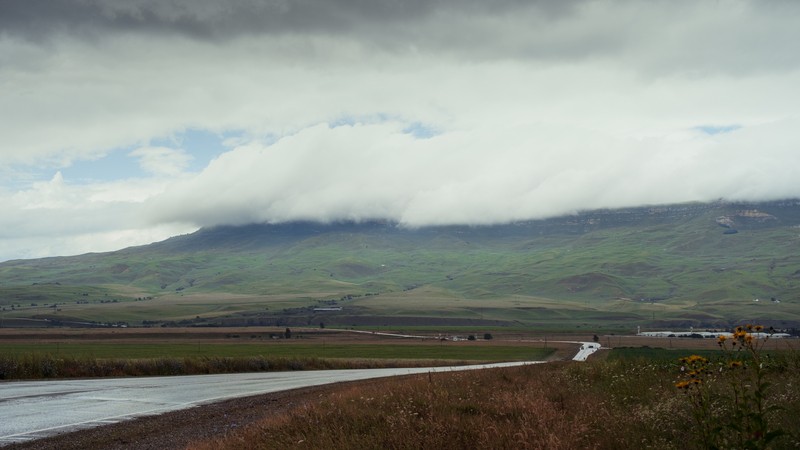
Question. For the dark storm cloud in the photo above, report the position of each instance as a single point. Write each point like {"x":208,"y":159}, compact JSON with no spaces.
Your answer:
{"x":37,"y":19}
{"x":657,"y":37}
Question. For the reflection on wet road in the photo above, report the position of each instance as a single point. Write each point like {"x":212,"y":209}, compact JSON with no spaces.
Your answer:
{"x":35,"y":409}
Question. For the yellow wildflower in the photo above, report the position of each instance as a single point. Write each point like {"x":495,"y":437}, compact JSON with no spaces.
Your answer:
{"x":696,"y":358}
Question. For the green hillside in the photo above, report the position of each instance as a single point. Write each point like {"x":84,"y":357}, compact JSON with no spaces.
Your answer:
{"x":679,"y":265}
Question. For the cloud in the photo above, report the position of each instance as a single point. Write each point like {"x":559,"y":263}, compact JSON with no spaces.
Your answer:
{"x":379,"y":171}
{"x":58,"y":207}
{"x":729,"y":36}
{"x":58,"y":217}
{"x":207,"y":19}
{"x":417,"y":111}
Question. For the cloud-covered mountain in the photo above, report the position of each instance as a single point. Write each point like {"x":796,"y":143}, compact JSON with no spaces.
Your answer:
{"x":126,"y":122}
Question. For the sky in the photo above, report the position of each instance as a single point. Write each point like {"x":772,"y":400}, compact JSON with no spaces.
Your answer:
{"x":125,"y":123}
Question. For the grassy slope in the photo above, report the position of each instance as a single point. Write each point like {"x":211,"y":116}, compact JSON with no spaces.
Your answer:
{"x":675,"y":270}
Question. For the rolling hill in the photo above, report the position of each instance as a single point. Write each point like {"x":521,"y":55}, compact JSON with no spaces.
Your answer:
{"x":676,"y":265}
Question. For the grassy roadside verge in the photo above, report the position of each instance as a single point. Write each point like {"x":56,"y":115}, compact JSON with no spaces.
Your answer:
{"x":618,"y":402}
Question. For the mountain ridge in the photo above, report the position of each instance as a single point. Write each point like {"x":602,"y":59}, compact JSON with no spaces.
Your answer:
{"x":681,"y":260}
{"x":747,"y":215}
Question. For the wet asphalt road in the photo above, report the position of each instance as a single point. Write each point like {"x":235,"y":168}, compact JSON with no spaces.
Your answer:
{"x":35,"y":409}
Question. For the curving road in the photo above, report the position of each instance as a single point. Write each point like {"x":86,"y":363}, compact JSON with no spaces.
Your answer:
{"x":35,"y":409}
{"x":587,"y":348}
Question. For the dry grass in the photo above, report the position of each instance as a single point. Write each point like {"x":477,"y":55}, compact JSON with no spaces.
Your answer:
{"x":601,"y":405}
{"x":490,"y":409}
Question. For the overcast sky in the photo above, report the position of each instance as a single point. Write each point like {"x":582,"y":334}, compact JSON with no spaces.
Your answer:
{"x":123,"y":123}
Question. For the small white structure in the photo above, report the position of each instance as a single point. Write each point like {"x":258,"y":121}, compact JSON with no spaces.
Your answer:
{"x":708,"y":334}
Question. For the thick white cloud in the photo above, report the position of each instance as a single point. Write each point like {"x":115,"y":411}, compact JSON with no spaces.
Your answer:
{"x":520,"y":171}
{"x":421,"y":112}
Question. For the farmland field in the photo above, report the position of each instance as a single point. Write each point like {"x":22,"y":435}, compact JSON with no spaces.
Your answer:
{"x":52,"y":353}
{"x":298,"y":350}
{"x":313,"y":345}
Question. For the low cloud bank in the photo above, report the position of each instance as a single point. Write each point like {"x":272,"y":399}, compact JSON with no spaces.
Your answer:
{"x":484,"y":176}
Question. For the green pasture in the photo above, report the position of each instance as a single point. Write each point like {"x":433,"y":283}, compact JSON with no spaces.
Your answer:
{"x":39,"y":295}
{"x":538,"y":312}
{"x":439,"y":351}
{"x":670,"y":355}
{"x":173,"y":306}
